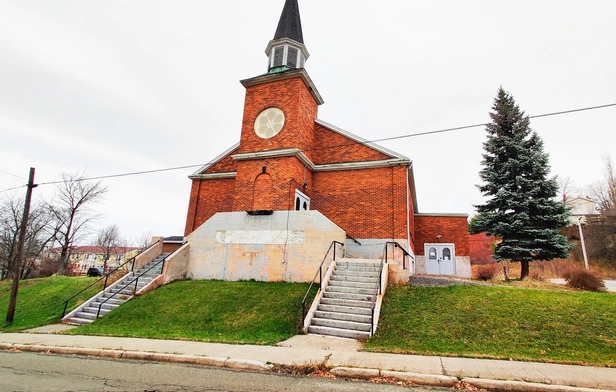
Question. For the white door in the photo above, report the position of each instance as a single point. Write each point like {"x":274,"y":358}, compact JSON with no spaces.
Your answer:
{"x":440,"y":259}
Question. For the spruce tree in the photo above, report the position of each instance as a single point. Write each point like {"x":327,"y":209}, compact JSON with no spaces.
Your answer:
{"x":521,"y":206}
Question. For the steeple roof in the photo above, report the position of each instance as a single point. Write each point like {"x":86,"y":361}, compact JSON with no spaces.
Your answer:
{"x":290,"y":24}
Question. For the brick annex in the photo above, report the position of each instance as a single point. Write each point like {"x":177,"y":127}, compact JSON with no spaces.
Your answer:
{"x":270,"y":206}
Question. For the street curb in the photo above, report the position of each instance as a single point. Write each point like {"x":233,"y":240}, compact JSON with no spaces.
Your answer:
{"x":346,"y":372}
{"x":522,"y":386}
{"x":433,"y":380}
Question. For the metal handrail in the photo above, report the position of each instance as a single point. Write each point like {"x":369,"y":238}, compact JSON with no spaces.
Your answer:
{"x":404,"y":252}
{"x":136,"y":281}
{"x":319,"y":273}
{"x":377,"y":291}
{"x":106,"y":277}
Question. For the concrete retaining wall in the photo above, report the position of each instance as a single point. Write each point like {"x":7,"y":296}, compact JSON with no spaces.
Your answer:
{"x":285,"y":246}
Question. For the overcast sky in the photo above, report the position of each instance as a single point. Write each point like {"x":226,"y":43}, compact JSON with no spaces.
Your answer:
{"x":114,"y":87}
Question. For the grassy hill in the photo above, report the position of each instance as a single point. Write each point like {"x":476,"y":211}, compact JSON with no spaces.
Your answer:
{"x":472,"y":321}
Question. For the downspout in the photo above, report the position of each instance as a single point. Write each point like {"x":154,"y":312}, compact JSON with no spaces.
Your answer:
{"x":408,"y":220}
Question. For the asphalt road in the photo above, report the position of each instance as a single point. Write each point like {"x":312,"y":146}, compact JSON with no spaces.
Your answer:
{"x":49,"y":372}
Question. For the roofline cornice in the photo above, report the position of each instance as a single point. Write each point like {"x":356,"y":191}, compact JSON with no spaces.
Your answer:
{"x":213,"y":176}
{"x":214,"y":161}
{"x":290,"y":74}
{"x":295,"y":152}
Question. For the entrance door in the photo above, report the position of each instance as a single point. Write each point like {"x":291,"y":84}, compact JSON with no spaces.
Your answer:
{"x":440,"y":259}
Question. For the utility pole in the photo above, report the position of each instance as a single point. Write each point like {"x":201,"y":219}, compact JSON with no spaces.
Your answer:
{"x":20,"y":250}
{"x":583,"y":244}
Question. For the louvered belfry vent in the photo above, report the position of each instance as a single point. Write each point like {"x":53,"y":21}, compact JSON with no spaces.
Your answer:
{"x":287,"y":51}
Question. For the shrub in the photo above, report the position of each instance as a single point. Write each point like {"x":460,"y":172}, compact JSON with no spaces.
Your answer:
{"x":485,"y":271}
{"x":584,"y":280}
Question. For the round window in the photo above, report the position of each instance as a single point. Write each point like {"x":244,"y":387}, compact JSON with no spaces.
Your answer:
{"x":269,"y":122}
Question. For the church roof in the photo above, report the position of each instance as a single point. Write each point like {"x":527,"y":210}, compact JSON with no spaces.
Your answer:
{"x":290,"y":24}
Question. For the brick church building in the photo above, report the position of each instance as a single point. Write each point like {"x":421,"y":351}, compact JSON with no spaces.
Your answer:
{"x":269,"y":207}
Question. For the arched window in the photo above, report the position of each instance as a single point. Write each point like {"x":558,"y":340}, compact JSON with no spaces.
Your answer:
{"x":432,"y":254}
{"x":262,"y":193}
{"x":446,"y":254}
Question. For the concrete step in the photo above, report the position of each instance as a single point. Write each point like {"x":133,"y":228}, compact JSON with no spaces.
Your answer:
{"x":365,"y":274}
{"x":354,"y":297}
{"x":359,"y":267}
{"x":345,"y":309}
{"x":351,"y":290}
{"x":358,"y":279}
{"x":113,"y":301}
{"x":346,"y":302}
{"x":77,"y":320}
{"x":348,"y":325}
{"x":94,"y":309}
{"x":347,"y":283}
{"x":356,"y":318}
{"x":342,"y":333}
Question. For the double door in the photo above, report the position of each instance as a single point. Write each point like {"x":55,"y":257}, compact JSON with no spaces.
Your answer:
{"x":440,"y":259}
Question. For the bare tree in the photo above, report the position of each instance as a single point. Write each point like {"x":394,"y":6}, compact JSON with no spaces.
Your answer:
{"x":72,"y":212}
{"x":566,"y":187}
{"x":144,"y":240}
{"x":109,"y":242}
{"x":604,"y":192}
{"x":39,"y":233}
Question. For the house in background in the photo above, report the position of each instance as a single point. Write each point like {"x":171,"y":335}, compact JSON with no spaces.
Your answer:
{"x":269,"y":207}
{"x":582,"y":209}
{"x":83,"y":257}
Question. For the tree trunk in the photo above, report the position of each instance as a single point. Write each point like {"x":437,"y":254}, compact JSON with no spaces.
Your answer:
{"x":525,"y":269}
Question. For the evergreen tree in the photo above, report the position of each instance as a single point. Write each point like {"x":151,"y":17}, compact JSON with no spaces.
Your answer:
{"x":521,"y":208}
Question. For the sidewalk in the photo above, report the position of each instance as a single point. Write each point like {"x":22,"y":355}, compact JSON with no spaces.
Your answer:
{"x":345,"y":356}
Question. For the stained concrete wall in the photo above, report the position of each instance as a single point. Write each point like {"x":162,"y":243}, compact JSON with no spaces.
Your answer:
{"x":463,"y":266}
{"x":285,"y":246}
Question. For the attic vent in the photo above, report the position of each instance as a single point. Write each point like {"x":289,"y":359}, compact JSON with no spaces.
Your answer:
{"x":278,"y":56}
{"x":292,"y":58}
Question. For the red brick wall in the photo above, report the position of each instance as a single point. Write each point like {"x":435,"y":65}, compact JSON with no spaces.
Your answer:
{"x":298,"y":105}
{"x":286,"y":174}
{"x":262,"y":192}
{"x":208,"y":197}
{"x":480,"y":248}
{"x":225,"y":165}
{"x":170,"y":247}
{"x":452,"y":229}
{"x":369,"y":203}
{"x":332,"y":147}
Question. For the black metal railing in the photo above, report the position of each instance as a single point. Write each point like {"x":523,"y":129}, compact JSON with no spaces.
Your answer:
{"x":106,"y":276}
{"x":405,"y":254}
{"x":135,"y":281}
{"x":319,"y":274}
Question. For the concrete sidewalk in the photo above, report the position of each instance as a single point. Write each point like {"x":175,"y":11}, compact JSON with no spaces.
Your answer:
{"x":344,"y":356}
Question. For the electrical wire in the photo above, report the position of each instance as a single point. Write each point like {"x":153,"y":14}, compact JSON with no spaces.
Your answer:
{"x":367,"y":142}
{"x":14,"y":175}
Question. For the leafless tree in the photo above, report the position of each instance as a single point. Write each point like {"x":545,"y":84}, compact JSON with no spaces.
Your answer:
{"x":604,"y":192}
{"x":39,"y":233}
{"x":72,"y":212}
{"x":144,"y":240}
{"x":566,"y":187}
{"x":109,"y":242}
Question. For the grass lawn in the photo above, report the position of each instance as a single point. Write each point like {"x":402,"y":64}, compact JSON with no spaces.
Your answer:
{"x":499,"y":322}
{"x":41,"y":301}
{"x":212,"y":311}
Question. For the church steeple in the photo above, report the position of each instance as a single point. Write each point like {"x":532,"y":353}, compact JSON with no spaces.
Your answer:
{"x":287,"y":51}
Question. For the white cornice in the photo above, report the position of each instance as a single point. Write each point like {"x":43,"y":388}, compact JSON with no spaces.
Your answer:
{"x":295,"y":152}
{"x":213,"y":176}
{"x":453,"y":215}
{"x":214,"y":161}
{"x":294,"y":73}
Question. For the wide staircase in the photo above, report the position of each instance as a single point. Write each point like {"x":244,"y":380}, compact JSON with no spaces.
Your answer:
{"x":116,"y":294}
{"x":347,"y":305}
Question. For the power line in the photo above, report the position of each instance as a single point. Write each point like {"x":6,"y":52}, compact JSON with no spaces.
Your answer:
{"x":329,"y":147}
{"x":127,"y":174}
{"x":11,"y":189}
{"x":11,"y":174}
